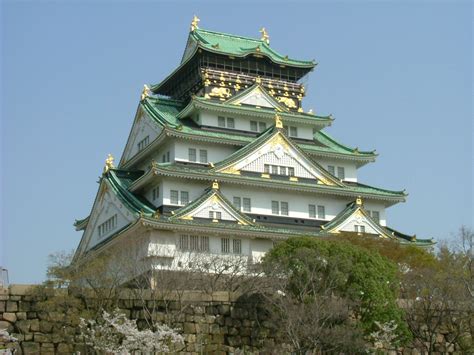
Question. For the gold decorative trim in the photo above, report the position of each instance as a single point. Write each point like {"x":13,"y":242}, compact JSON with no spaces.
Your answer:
{"x":194,"y":23}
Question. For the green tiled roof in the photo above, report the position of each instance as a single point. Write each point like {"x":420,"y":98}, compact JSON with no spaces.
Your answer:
{"x":200,"y":102}
{"x":207,"y":174}
{"x":165,"y":112}
{"x":239,"y":46}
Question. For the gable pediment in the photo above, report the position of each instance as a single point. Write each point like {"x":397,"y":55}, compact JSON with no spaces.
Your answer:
{"x":212,"y":206}
{"x":353,"y":219}
{"x":279,"y":153}
{"x":257,"y":96}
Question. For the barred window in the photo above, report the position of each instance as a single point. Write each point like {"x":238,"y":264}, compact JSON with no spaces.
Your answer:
{"x":230,"y":122}
{"x":247,"y":204}
{"x":359,"y":228}
{"x":375,"y":215}
{"x":221,"y":121}
{"x":237,"y":203}
{"x":183,"y":242}
{"x":284,"y":208}
{"x":321,"y":212}
{"x":266,"y":169}
{"x":215,"y":215}
{"x":341,"y":173}
{"x":225,"y":245}
{"x":237,"y":246}
{"x":254,"y":126}
{"x":312,"y":211}
{"x":192,"y":154}
{"x":275,"y":207}
{"x":331,"y":170}
{"x":202,"y":156}
{"x":143,"y":143}
{"x":262,"y":126}
{"x":156,"y":193}
{"x":194,"y":243}
{"x":293,"y":131}
{"x":184,"y":197}
{"x":291,"y":171}
{"x":204,"y":243}
{"x":107,"y":226}
{"x":174,"y":197}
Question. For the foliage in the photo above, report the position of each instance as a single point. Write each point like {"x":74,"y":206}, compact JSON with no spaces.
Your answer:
{"x":363,"y":278}
{"x":114,"y":333}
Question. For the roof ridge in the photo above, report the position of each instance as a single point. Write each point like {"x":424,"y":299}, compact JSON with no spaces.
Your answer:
{"x":229,"y":35}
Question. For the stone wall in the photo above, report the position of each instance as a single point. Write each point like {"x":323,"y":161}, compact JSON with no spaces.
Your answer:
{"x":216,"y":323}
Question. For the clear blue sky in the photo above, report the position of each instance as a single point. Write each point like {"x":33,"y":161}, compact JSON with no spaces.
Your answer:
{"x":396,"y":75}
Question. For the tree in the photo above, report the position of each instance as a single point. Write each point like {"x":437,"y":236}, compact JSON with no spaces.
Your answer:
{"x":337,"y":288}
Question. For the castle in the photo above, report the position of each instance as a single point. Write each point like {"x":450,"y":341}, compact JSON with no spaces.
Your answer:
{"x":223,"y":160}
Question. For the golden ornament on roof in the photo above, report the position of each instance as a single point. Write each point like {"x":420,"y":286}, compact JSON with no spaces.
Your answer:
{"x":145,"y":92}
{"x":109,"y":163}
{"x":278,"y":121}
{"x":265,"y":37}
{"x":359,"y":201}
{"x":215,"y":185}
{"x":194,"y":23}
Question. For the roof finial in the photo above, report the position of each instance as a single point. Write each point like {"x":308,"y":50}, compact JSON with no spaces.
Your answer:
{"x":194,"y":23}
{"x":278,"y":121}
{"x":265,"y":37}
{"x":145,"y":92}
{"x":215,"y":185}
{"x":359,"y":201}
{"x":109,"y":163}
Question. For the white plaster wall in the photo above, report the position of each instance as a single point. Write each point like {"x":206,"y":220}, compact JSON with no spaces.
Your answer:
{"x":243,"y":123}
{"x":350,"y":169}
{"x":195,"y":189}
{"x":373,"y":206}
{"x":215,"y":153}
{"x":144,"y":127}
{"x":261,"y":200}
{"x":149,"y":194}
{"x":109,"y":206}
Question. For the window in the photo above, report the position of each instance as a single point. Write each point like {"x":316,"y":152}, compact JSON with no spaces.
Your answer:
{"x":266,"y":169}
{"x":193,"y":242}
{"x":275,"y":207}
{"x":221,"y":121}
{"x":143,"y":143}
{"x":237,"y":246}
{"x":215,"y":215}
{"x":202,"y":155}
{"x":174,"y":197}
{"x":167,"y":157}
{"x":331,"y":170}
{"x":183,"y":242}
{"x":340,"y":173}
{"x":107,"y":226}
{"x":247,"y":204}
{"x":321,"y":212}
{"x":291,"y":171}
{"x":225,"y":245}
{"x":184,"y":197}
{"x":284,"y":208}
{"x":278,"y":170}
{"x":375,"y":215}
{"x":312,"y":211}
{"x":192,"y":154}
{"x":254,"y":126}
{"x":237,"y":203}
{"x":230,"y":122}
{"x":359,"y":228}
{"x":257,"y":126}
{"x":282,"y":170}
{"x":293,"y":131}
{"x":155,"y":193}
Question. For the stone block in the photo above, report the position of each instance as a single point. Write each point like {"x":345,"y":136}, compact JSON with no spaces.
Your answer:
{"x":20,"y":290}
{"x":41,"y":338}
{"x":24,"y":306}
{"x":31,"y":315}
{"x":21,"y":315}
{"x":45,"y":326}
{"x":34,"y":325}
{"x":10,"y":317}
{"x":189,"y":318}
{"x":210,"y":319}
{"x":2,"y":306}
{"x":23,"y":326}
{"x":31,"y":347}
{"x":189,"y":328}
{"x":224,"y":309}
{"x":214,"y":329}
{"x":12,"y":306}
{"x":64,"y":348}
